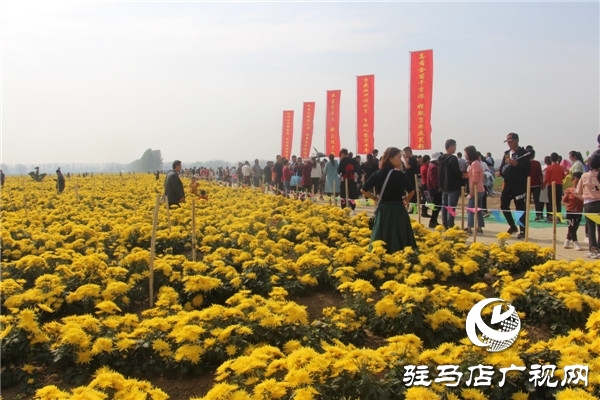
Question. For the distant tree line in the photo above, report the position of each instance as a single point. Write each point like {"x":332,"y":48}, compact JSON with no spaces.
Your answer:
{"x":150,"y":161}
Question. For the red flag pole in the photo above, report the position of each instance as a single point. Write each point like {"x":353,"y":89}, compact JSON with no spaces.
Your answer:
{"x":409,"y":95}
{"x":356,"y":119}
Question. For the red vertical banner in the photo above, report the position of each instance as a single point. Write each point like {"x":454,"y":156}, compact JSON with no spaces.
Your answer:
{"x":308,"y":116}
{"x":332,"y":124}
{"x":287,"y":134}
{"x":365,"y":114}
{"x":421,"y":85}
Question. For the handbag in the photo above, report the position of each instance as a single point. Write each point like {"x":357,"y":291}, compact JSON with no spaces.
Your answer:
{"x":372,"y":219}
{"x":295,"y":180}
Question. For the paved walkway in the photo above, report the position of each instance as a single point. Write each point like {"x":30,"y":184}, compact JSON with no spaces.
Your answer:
{"x":540,"y":233}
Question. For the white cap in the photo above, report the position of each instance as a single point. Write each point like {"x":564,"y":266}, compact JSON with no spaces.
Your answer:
{"x":436,"y":155}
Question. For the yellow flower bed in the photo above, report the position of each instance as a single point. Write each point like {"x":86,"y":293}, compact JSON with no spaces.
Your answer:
{"x":75,"y":291}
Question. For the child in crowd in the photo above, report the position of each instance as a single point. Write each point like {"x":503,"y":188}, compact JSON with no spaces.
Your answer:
{"x":203,"y":195}
{"x":588,"y":189}
{"x":574,"y":206}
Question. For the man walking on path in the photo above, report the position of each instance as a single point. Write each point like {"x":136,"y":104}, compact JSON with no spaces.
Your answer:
{"x":278,"y":169}
{"x":514,"y":169}
{"x":257,"y":172}
{"x":450,"y":179}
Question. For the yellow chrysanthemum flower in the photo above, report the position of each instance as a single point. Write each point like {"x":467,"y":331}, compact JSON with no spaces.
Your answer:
{"x":107,"y":307}
{"x":298,"y":377}
{"x":270,"y":389}
{"x":51,"y":392}
{"x":6,"y":331}
{"x":443,"y":316}
{"x":221,"y":391}
{"x":574,"y":394}
{"x":306,"y":393}
{"x":231,"y":350}
{"x":472,"y":394}
{"x":102,"y":345}
{"x":161,"y":346}
{"x":124,"y":344}
{"x":421,"y":393}
{"x":188,"y":352}
{"x":83,"y":357}
{"x":387,"y":307}
{"x":199,"y":283}
{"x":572,"y":300}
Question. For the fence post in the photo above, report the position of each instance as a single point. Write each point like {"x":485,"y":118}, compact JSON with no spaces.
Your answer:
{"x":527,"y":205}
{"x":194,"y":228}
{"x":418,"y":194}
{"x":153,"y":250}
{"x":554,"y":216}
{"x":476,"y":212}
{"x":462,"y":207}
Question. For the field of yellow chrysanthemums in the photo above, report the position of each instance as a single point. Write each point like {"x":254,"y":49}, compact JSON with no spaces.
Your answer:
{"x":75,"y":295}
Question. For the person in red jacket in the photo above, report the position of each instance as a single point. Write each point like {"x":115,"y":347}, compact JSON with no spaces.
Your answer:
{"x":287,"y":174}
{"x":433,"y":186}
{"x":537,"y":178}
{"x":306,"y":181}
{"x":348,"y":168}
{"x":554,"y":173}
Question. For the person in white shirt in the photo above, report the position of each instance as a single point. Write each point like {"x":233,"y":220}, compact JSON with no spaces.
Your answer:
{"x":246,"y":173}
{"x":315,"y":177}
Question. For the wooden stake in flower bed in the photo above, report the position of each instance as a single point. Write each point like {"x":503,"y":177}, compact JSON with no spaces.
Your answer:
{"x":25,"y":206}
{"x":475,"y":215}
{"x":346,"y":185}
{"x":168,"y":212}
{"x":462,"y":207}
{"x":193,"y":229}
{"x":12,"y":200}
{"x":527,"y":205}
{"x":152,"y":250}
{"x":554,"y":216}
{"x":418,"y":194}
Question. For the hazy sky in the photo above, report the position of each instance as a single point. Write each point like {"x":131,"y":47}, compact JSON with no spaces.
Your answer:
{"x":103,"y":81}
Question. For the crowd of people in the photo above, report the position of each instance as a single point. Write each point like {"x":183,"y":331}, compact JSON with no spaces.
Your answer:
{"x":439,"y":179}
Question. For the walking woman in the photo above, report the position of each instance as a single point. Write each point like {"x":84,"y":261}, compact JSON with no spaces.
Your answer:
{"x":392,"y":223}
{"x":332,"y":179}
{"x":475,"y":175}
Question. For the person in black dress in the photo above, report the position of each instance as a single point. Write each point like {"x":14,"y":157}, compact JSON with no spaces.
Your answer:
{"x":392,"y":223}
